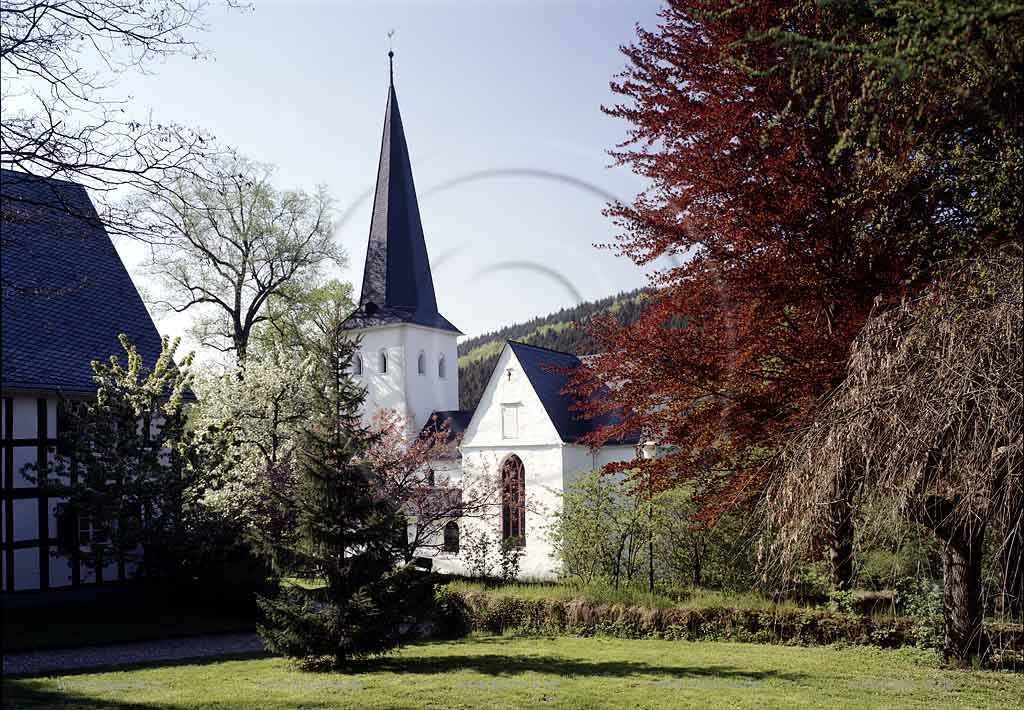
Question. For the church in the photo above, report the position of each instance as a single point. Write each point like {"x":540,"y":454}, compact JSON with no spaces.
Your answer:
{"x":523,"y":432}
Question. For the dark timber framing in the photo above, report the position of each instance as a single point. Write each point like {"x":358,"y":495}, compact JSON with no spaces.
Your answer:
{"x":45,"y":539}
{"x":8,"y":448}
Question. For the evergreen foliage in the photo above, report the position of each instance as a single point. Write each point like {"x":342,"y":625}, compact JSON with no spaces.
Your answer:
{"x":345,"y":531}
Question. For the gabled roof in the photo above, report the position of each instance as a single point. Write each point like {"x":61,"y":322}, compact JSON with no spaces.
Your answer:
{"x":538,"y":364}
{"x":397,"y":284}
{"x":452,"y":421}
{"x":66,"y":293}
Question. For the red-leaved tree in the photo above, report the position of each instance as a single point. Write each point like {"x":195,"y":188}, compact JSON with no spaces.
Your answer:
{"x":775,"y":274}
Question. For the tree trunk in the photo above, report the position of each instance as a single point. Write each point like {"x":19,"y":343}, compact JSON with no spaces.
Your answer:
{"x":840,"y":553}
{"x":1012,"y":559}
{"x":961,"y":562}
{"x":697,"y":566}
{"x":963,"y":538}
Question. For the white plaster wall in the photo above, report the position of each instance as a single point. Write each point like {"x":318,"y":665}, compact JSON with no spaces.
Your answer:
{"x":24,"y":419}
{"x":484,"y":449}
{"x":26,"y":510}
{"x":430,"y":392}
{"x":402,"y":388}
{"x":485,"y":429}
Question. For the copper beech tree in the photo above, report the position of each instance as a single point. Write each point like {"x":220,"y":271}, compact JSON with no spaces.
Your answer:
{"x":773,"y":268}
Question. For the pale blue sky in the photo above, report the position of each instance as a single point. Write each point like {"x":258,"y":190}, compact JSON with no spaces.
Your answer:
{"x":500,"y":88}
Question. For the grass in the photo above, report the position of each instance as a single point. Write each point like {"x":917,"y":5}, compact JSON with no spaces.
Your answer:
{"x":37,"y":629}
{"x":510,"y":672}
{"x":679,"y":599}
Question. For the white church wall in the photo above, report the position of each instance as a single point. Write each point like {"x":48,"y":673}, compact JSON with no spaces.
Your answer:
{"x":402,"y":388}
{"x":509,"y":390}
{"x":429,"y":392}
{"x":491,"y":437}
{"x":543,"y":474}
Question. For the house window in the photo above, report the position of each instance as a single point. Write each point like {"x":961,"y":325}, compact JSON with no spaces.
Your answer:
{"x":88,"y":531}
{"x":513,"y":505}
{"x":451,"y":537}
{"x":509,"y":421}
{"x":357,"y":363}
{"x":421,"y":363}
{"x":383,"y":359}
{"x":442,"y":369}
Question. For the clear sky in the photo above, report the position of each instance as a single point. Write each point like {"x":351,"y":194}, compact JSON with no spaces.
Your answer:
{"x":501,"y":107}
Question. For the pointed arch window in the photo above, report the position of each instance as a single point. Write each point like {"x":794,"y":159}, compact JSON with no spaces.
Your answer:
{"x":357,"y":363}
{"x":383,"y":361}
{"x":442,"y":368}
{"x":421,"y":363}
{"x":451,"y":537}
{"x":513,"y":504}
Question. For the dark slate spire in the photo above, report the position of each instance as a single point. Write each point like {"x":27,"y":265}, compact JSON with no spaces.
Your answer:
{"x":397,"y":285}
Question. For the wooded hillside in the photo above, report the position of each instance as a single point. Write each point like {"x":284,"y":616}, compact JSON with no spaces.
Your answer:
{"x":559,"y":331}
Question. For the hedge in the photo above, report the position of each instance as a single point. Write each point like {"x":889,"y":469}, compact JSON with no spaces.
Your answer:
{"x":478,"y":611}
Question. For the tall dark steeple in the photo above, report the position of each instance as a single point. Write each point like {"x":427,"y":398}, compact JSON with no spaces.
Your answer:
{"x":397,"y":285}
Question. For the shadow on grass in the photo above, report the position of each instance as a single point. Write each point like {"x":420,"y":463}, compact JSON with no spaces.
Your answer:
{"x":141,"y":665}
{"x":503,"y":665}
{"x":24,"y":695}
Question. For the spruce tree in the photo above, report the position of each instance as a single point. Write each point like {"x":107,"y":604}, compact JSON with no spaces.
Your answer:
{"x":345,"y":533}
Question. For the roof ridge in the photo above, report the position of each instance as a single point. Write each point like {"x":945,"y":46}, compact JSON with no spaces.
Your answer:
{"x":42,"y":178}
{"x":541,"y":347}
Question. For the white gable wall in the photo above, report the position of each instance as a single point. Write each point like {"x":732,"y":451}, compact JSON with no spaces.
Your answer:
{"x":534,"y":426}
{"x":486,"y":444}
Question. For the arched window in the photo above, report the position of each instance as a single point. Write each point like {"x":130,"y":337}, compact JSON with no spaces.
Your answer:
{"x":513,"y":505}
{"x":451,"y":537}
{"x":357,"y":363}
{"x":383,"y":361}
{"x":442,"y":370}
{"x":421,"y":363}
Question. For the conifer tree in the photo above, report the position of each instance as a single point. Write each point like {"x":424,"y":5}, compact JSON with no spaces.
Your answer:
{"x":344,"y":540}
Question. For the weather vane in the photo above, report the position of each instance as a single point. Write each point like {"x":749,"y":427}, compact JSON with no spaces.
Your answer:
{"x":391,"y":55}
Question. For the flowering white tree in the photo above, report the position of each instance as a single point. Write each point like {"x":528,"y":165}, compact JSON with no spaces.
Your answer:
{"x":260,"y":416}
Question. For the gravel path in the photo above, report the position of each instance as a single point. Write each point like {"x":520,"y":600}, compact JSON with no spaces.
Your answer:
{"x":39,"y":662}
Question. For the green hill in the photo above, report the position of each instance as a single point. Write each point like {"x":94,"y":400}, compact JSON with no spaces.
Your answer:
{"x":559,"y":331}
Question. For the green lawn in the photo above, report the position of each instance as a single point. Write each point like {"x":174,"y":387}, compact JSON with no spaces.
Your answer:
{"x":509,"y":672}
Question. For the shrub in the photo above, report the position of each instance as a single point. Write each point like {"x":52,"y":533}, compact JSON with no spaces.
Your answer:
{"x":782,"y":625}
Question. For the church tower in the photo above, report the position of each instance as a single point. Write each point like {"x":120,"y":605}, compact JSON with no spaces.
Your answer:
{"x":408,"y":360}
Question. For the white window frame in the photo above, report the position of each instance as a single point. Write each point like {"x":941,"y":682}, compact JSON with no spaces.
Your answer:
{"x":510,"y":421}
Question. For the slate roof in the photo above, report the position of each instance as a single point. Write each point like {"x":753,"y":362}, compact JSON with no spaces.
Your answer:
{"x":66,"y":293}
{"x":456,"y":421}
{"x":537,"y":364}
{"x":397,"y":284}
